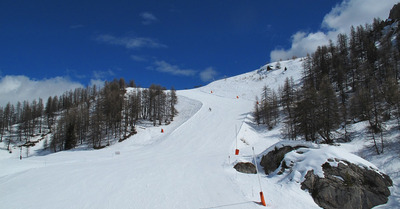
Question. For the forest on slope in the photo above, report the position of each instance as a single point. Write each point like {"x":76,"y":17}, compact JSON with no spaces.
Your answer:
{"x":92,"y":116}
{"x":355,"y":79}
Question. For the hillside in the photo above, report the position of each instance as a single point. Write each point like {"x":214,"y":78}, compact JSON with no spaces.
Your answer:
{"x":190,"y":165}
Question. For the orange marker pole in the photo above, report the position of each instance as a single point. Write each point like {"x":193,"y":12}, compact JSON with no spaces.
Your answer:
{"x":262,"y":199}
{"x":259,"y":181}
{"x":237,"y":150}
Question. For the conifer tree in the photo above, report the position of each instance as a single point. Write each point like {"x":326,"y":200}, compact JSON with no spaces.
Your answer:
{"x":288,"y":104}
{"x":70,"y":138}
{"x":173,"y":101}
{"x":2,"y":124}
{"x":305,"y":113}
{"x":257,"y":113}
{"x":328,"y":113}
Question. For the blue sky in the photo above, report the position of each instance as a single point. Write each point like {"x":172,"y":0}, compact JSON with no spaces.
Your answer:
{"x":172,"y":43}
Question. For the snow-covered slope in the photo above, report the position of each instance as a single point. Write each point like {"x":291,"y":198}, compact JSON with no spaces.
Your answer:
{"x":249,"y":85}
{"x":190,"y":165}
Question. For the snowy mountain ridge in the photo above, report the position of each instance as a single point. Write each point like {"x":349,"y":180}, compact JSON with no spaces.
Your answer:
{"x":249,"y":85}
{"x":190,"y":165}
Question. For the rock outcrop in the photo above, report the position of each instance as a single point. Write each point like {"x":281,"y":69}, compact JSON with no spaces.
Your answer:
{"x":347,"y":186}
{"x":344,"y":184}
{"x":246,"y":167}
{"x":271,"y":161}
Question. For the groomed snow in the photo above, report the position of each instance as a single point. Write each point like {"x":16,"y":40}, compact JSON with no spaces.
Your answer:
{"x":190,"y":165}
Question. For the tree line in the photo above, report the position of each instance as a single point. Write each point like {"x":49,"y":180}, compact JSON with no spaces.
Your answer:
{"x":90,"y":116}
{"x":352,"y":80}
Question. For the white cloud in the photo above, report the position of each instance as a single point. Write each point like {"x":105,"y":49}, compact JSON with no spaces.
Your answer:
{"x":21,"y":88}
{"x":98,"y":82}
{"x":338,"y":20}
{"x":148,"y":18}
{"x":205,"y":75}
{"x":302,"y":43}
{"x":98,"y":75}
{"x":130,"y":42}
{"x":162,"y":66}
{"x":138,"y":58}
{"x":208,"y":74}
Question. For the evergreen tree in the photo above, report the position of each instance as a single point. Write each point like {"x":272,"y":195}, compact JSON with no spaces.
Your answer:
{"x":288,"y":101}
{"x":2,"y":124}
{"x":257,"y":113}
{"x":70,"y":130}
{"x":173,"y":101}
{"x":267,"y":111}
{"x":328,"y":113}
{"x":375,"y":116}
{"x":70,"y":137}
{"x":306,"y":113}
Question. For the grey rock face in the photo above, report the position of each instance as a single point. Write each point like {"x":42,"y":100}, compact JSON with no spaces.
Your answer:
{"x":246,"y":167}
{"x":348,"y":186}
{"x":271,"y":161}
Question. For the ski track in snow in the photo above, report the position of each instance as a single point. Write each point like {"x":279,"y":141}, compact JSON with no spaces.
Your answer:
{"x":190,"y":165}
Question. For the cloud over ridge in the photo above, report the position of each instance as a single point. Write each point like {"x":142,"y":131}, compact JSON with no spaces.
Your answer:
{"x":165,"y":67}
{"x":338,"y":20}
{"x":14,"y":88}
{"x":205,"y":75}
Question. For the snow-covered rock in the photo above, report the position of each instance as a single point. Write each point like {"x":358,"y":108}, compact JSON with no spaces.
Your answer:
{"x":348,"y":186}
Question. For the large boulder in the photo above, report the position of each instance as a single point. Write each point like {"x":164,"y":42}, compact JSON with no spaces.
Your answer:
{"x":272,"y":160}
{"x":347,"y":186}
{"x":246,"y":167}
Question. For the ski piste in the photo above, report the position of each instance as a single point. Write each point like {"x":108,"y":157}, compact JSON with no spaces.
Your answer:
{"x":189,"y":165}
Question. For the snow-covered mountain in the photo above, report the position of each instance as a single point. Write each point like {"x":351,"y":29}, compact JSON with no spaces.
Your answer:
{"x":189,"y":164}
